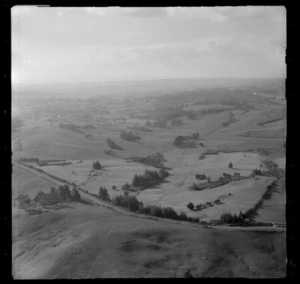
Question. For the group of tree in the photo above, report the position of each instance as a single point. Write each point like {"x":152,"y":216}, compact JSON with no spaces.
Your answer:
{"x":200,"y":176}
{"x":200,"y":206}
{"x":103,"y":194}
{"x":257,"y":172}
{"x":129,"y":136}
{"x":113,"y":145}
{"x":231,"y":218}
{"x":97,"y":165}
{"x":181,"y":141}
{"x":149,"y":177}
{"x":62,"y":194}
{"x":131,"y":203}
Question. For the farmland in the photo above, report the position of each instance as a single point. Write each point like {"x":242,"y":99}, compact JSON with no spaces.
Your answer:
{"x":225,"y":132}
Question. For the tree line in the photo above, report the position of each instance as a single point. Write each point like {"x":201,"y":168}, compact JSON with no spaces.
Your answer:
{"x":62,"y":194}
{"x":132,"y":203}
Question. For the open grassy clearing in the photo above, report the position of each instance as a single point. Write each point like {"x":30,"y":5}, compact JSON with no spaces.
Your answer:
{"x":24,"y":182}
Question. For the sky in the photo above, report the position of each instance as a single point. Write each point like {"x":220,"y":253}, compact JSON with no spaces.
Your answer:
{"x":92,"y":44}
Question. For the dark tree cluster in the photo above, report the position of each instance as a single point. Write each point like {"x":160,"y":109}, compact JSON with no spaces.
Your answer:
{"x":103,"y":194}
{"x":129,"y":136}
{"x":200,"y":176}
{"x":131,"y":203}
{"x":181,"y":141}
{"x":230,"y":218}
{"x":113,"y":145}
{"x":155,"y":161}
{"x":55,"y":196}
{"x":149,"y":177}
{"x":97,"y":165}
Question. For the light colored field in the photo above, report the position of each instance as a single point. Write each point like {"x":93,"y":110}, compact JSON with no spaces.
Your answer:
{"x":175,"y":192}
{"x":28,"y":183}
{"x":115,"y":172}
{"x":82,"y":241}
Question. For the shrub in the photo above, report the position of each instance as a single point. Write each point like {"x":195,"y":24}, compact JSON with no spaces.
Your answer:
{"x":190,"y":206}
{"x":125,"y":186}
{"x":23,"y":200}
{"x":97,"y":165}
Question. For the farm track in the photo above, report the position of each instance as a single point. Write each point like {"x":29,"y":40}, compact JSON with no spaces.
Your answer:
{"x":95,"y":201}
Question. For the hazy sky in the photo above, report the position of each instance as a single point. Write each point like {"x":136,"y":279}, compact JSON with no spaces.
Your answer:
{"x":99,"y":44}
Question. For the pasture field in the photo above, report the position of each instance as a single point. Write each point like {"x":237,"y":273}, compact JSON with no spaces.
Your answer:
{"x":82,"y":241}
{"x":25,"y":182}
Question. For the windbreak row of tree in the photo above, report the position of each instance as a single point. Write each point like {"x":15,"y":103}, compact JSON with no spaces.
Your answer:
{"x":42,"y":163}
{"x":131,"y":203}
{"x":62,"y":194}
{"x":129,"y":136}
{"x":149,"y":177}
{"x":113,"y":145}
{"x":251,"y":213}
{"x":29,"y":160}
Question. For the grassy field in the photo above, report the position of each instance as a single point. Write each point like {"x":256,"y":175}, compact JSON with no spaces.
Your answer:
{"x":28,"y":183}
{"x":81,"y":241}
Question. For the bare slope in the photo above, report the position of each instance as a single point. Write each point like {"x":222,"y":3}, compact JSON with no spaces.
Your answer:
{"x":83,"y":241}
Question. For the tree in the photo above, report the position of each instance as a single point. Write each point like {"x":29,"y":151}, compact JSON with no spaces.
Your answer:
{"x":64,"y":193}
{"x":97,"y":165}
{"x":23,"y":200}
{"x":75,"y":195}
{"x":103,"y":194}
{"x":125,"y":186}
{"x":190,"y":206}
{"x":230,"y":165}
{"x":54,"y":195}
